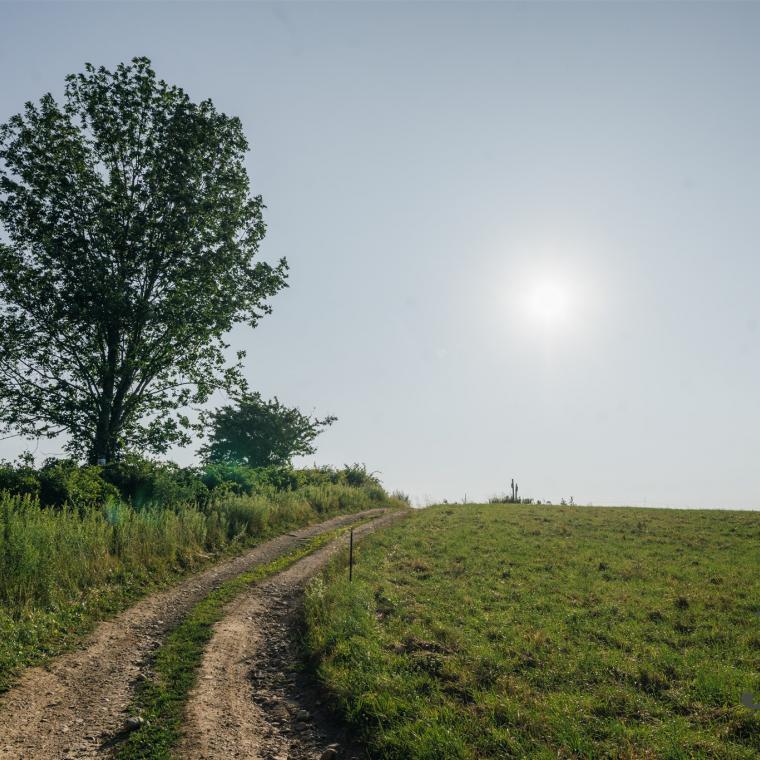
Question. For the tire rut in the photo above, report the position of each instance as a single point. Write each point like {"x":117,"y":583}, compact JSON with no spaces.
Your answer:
{"x":70,"y":709}
{"x":252,"y":700}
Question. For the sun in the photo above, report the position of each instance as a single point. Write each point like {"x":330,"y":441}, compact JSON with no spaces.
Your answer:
{"x":548,"y":302}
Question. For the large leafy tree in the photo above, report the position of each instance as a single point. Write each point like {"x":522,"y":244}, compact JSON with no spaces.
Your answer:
{"x":260,"y":433}
{"x":130,"y":234}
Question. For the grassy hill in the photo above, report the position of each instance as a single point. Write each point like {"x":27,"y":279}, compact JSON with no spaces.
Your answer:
{"x":537,"y":631}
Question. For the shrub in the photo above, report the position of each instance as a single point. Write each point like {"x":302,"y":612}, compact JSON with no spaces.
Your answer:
{"x":21,"y":479}
{"x":356,"y":475}
{"x":222,"y":477}
{"x":142,"y":482}
{"x":63,"y":481}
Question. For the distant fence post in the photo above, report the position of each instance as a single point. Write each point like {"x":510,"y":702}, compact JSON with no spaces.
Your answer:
{"x":351,"y":556}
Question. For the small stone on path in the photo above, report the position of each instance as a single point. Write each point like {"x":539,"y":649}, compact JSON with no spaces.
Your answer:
{"x":133,"y":722}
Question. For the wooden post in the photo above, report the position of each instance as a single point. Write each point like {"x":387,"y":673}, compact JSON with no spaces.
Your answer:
{"x":351,"y":556}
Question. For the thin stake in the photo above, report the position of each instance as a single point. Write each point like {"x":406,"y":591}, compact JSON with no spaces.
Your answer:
{"x":351,"y":556}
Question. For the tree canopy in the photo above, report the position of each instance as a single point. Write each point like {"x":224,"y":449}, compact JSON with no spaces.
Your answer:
{"x":260,"y":433}
{"x":130,"y":234}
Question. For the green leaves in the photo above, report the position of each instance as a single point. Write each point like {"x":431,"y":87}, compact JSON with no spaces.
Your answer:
{"x":260,"y":433}
{"x":131,"y":234}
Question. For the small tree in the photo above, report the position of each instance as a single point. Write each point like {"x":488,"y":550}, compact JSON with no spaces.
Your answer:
{"x":129,"y":254}
{"x":260,"y":433}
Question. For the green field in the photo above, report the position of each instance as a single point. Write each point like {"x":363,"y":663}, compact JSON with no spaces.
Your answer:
{"x":538,"y":631}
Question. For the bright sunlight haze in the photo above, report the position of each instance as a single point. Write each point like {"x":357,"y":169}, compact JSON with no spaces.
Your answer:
{"x":522,"y":236}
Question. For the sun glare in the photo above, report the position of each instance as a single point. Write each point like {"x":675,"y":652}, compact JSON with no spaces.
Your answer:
{"x":549,"y":303}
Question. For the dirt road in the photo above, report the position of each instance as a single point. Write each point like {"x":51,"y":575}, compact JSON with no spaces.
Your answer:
{"x":73,"y":707}
{"x":251,"y":701}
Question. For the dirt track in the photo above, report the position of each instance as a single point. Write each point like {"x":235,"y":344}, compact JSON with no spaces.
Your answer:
{"x":251,"y":701}
{"x":72,"y":708}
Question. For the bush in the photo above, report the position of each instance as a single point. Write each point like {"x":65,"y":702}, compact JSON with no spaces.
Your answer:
{"x":356,"y":475}
{"x":230,"y":478}
{"x":63,"y":481}
{"x":143,"y":482}
{"x":21,"y":479}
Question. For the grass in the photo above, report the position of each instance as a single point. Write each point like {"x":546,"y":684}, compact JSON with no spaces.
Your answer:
{"x":495,"y":631}
{"x":161,"y":700}
{"x":62,"y":570}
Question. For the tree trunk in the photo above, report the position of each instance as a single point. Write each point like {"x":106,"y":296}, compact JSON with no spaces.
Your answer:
{"x":103,"y":442}
{"x":102,"y":445}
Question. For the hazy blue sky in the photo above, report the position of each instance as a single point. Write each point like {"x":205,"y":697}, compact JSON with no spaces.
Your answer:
{"x":523,"y":237}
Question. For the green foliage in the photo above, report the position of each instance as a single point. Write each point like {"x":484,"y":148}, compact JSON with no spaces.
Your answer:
{"x":229,"y":477}
{"x":355,"y":475}
{"x":247,"y":480}
{"x":142,"y":482}
{"x":260,"y":433}
{"x":524,"y":631}
{"x":21,"y":479}
{"x":58,"y":482}
{"x":64,"y":481}
{"x":131,"y":235}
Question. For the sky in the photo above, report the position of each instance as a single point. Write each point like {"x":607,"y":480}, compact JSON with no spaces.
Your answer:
{"x":523,"y":237}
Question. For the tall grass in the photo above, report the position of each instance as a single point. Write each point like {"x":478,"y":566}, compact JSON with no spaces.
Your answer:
{"x":62,"y":569}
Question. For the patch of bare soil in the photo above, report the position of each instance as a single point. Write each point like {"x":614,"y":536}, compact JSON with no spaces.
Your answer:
{"x":252,"y":699}
{"x":72,"y":708}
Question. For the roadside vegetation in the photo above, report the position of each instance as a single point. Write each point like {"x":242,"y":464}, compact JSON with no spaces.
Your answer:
{"x":539,"y":631}
{"x":108,"y":535}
